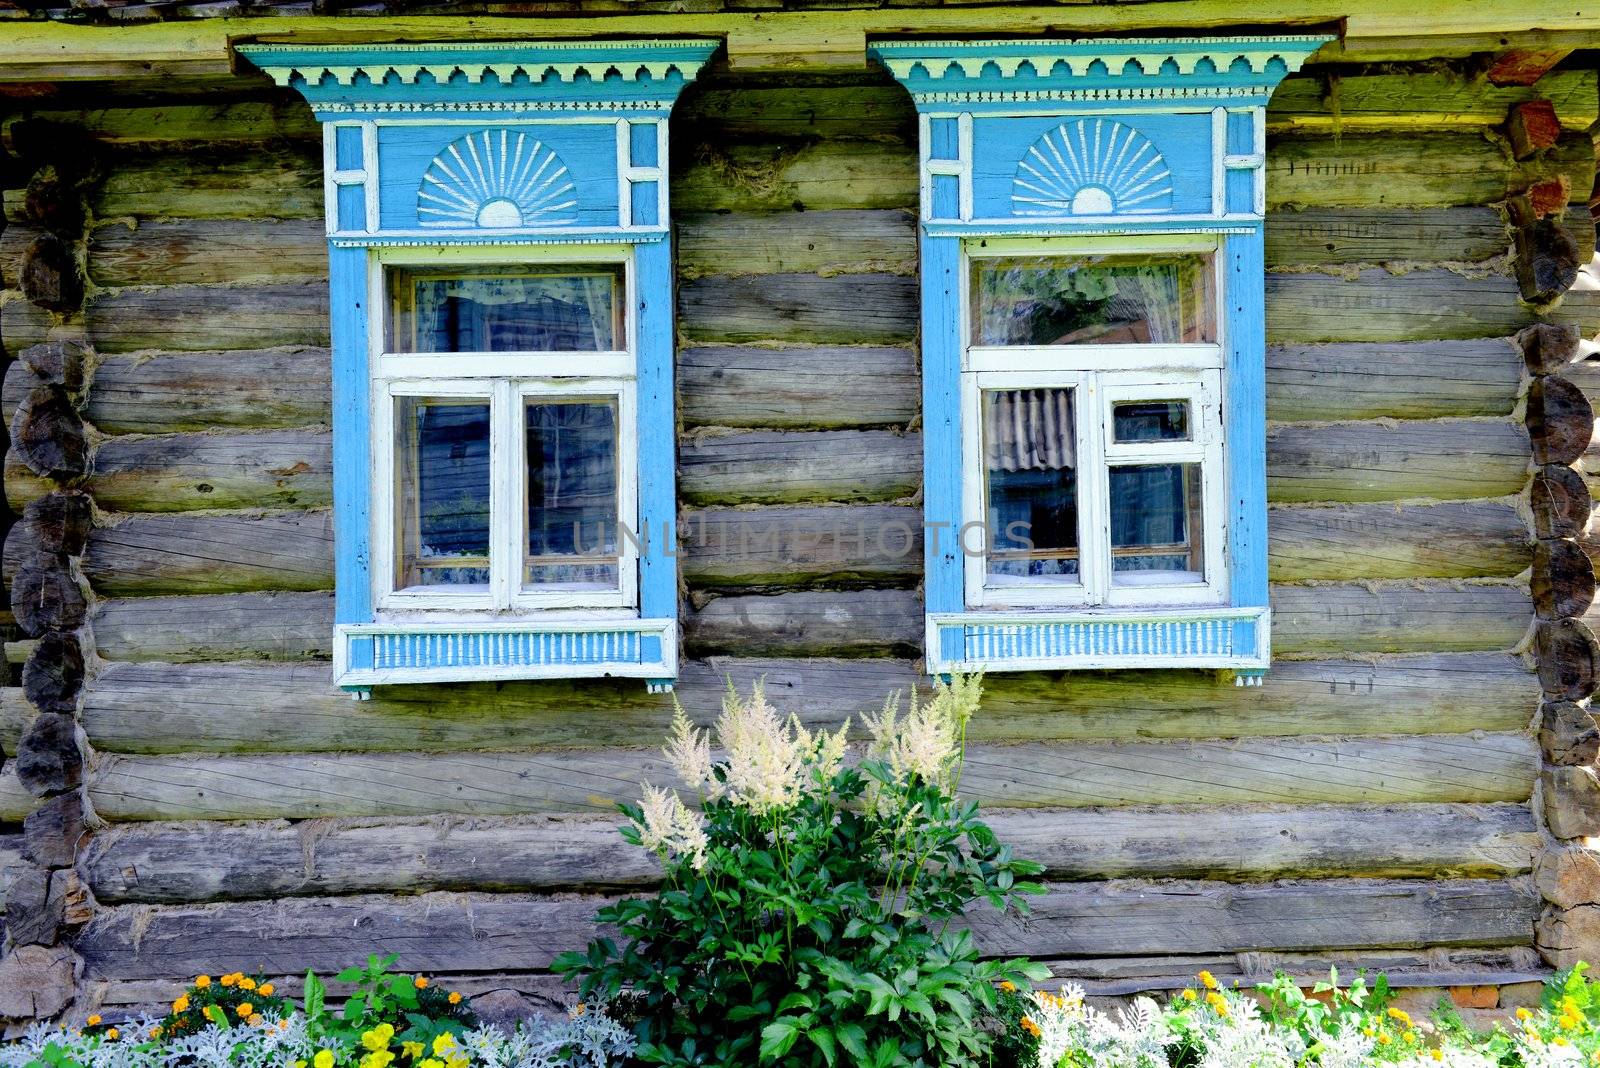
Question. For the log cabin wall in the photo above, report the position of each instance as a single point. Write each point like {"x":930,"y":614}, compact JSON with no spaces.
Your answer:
{"x":205,"y":801}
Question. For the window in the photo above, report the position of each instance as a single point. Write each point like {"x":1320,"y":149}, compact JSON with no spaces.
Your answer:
{"x":501,"y":295}
{"x":1093,"y":349}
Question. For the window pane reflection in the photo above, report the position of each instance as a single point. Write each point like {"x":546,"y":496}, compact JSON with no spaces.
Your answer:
{"x":1156,"y":525}
{"x":1134,"y":421}
{"x":1030,"y":461}
{"x":442,"y":491}
{"x":572,"y":495}
{"x":529,"y":309}
{"x":1093,"y":300}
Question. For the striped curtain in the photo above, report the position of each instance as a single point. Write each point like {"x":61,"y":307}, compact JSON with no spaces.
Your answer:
{"x":1030,"y":430}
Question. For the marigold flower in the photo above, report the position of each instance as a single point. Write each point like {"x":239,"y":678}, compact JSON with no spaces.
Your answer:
{"x":1207,"y":980}
{"x":454,"y":998}
{"x":228,"y":980}
{"x":1401,"y":1015}
{"x":113,"y":1034}
{"x":420,"y":982}
{"x":245,"y":1009}
{"x":246,"y":983}
{"x":93,"y":1020}
{"x":1410,"y":1036}
{"x":202,"y":981}
{"x":182,"y":1004}
{"x":266,"y":990}
{"x":1008,"y":986}
{"x":155,"y":1032}
{"x":1029,"y":1026}
{"x":1524,"y":1015}
{"x":1384,"y":1038}
{"x":323,"y":1059}
{"x":1218,"y":1003}
{"x":1191,"y":995}
{"x":1436,"y":1053}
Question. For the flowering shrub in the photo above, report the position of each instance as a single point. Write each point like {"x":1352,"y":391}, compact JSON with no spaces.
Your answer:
{"x":806,"y":914}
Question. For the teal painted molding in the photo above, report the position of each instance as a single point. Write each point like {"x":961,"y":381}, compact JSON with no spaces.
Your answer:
{"x":518,"y":145}
{"x":1090,"y":138}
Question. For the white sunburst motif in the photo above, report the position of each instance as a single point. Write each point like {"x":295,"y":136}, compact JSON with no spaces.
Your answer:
{"x":496,"y":180}
{"x":1091,"y":167}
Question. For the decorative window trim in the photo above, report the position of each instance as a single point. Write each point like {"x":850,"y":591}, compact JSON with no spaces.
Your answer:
{"x":589,"y":120}
{"x":1023,"y":139}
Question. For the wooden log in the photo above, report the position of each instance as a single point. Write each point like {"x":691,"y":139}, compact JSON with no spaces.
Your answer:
{"x":717,"y":112}
{"x":186,"y":552}
{"x":1532,"y":126}
{"x":52,"y":678}
{"x":1563,"y":582}
{"x":176,"y":391}
{"x":1560,"y":420}
{"x":1438,"y":768}
{"x":1547,"y":349}
{"x":871,"y":309}
{"x":810,"y":242}
{"x":193,"y":251}
{"x":45,"y":596}
{"x":14,"y":242}
{"x":1425,"y":170}
{"x":1341,"y":236}
{"x":48,"y":436}
{"x":796,"y":388}
{"x":808,"y":623}
{"x":1447,"y":459}
{"x":48,"y":760}
{"x":777,"y":176}
{"x":202,"y":318}
{"x":1423,"y":616}
{"x":1547,"y":255}
{"x":158,"y":124}
{"x":23,"y":323}
{"x":787,"y":545}
{"x":1403,"y":380}
{"x":479,"y":933}
{"x":58,"y":523}
{"x":52,"y":833}
{"x":15,"y":802}
{"x":1559,"y":500}
{"x":781,"y":467}
{"x":53,"y":363}
{"x":16,"y":712}
{"x":1385,"y":541}
{"x":1401,"y":102}
{"x":1421,"y":305}
{"x":54,"y":200}
{"x":1571,"y":798}
{"x":285,"y":183}
{"x":1568,"y":658}
{"x":191,"y":863}
{"x":155,"y":708}
{"x":1568,"y":733}
{"x":182,"y":472}
{"x":49,"y":274}
{"x":267,"y":626}
{"x":1524,"y":66}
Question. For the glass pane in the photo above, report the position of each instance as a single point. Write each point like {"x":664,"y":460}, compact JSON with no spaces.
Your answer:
{"x":1030,"y":471}
{"x":507,"y":309}
{"x":1093,"y":300}
{"x":1150,"y":421}
{"x":442,"y":491}
{"x":1156,"y":525}
{"x":572,"y":495}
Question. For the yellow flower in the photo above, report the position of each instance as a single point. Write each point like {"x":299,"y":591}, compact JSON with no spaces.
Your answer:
{"x":1384,"y":1039}
{"x":1401,"y":1015}
{"x":420,"y":982}
{"x":1436,"y":1053}
{"x":323,"y":1059}
{"x":378,"y":1038}
{"x":458,"y":1060}
{"x":431,"y":1062}
{"x":1524,"y":1014}
{"x":155,"y":1032}
{"x":301,"y":1063}
{"x":113,"y":1034}
{"x":245,"y":1009}
{"x":1207,"y":980}
{"x":444,"y":1043}
{"x":1008,"y":986}
{"x":412,"y":1050}
{"x":266,"y":990}
{"x":1558,"y":1041}
{"x":94,"y":1020}
{"x":228,"y":980}
{"x":1029,"y":1026}
{"x":377,"y":1059}
{"x":202,"y":981}
{"x":182,"y":1004}
{"x":246,"y":983}
{"x":1410,"y":1036}
{"x":1190,"y":995}
{"x":455,"y":997}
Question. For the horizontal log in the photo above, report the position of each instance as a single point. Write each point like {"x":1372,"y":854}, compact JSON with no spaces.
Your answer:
{"x":157,"y":708}
{"x":1419,"y":170}
{"x":206,"y":553}
{"x":186,"y":863}
{"x":869,"y":309}
{"x":175,"y":391}
{"x":1438,"y":768}
{"x":1412,"y":99}
{"x":1420,"y":616}
{"x":285,"y":183}
{"x":15,"y":802}
{"x":798,"y":387}
{"x":1339,"y":236}
{"x":476,"y":933}
{"x":1445,"y":459}
{"x":202,"y":318}
{"x":718,"y":113}
{"x":1398,"y":379}
{"x":778,"y":467}
{"x":808,"y":623}
{"x":149,"y":124}
{"x":182,"y":472}
{"x":187,"y":251}
{"x":808,"y":242}
{"x":784,"y":176}
{"x":268,"y":626}
{"x":1421,"y":305}
{"x":1467,"y":539}
{"x":788,"y":545}
{"x":23,"y":323}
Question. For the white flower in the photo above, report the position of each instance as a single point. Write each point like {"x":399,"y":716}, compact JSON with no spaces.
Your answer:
{"x":766,"y":768}
{"x":689,"y":751}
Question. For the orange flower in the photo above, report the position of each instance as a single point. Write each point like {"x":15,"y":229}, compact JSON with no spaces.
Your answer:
{"x":245,"y":1010}
{"x":1008,"y":986}
{"x":455,"y":998}
{"x":246,"y":983}
{"x":1029,"y":1026}
{"x":113,"y":1034}
{"x":266,"y":990}
{"x":420,"y":982}
{"x":202,"y":981}
{"x":182,"y":1004}
{"x":93,"y":1021}
{"x":228,"y":980}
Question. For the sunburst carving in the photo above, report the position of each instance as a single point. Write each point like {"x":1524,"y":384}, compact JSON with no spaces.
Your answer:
{"x":496,"y":180}
{"x":1092,"y":167}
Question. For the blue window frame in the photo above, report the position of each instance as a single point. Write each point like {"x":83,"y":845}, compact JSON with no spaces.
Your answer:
{"x":501,"y":281}
{"x":1093,"y":349}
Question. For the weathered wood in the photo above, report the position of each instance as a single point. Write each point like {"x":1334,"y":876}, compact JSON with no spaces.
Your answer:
{"x":48,"y":436}
{"x":1336,"y":236}
{"x":49,"y":274}
{"x":16,"y":712}
{"x":798,"y":387}
{"x":190,"y":251}
{"x":174,"y":391}
{"x":1571,"y":798}
{"x":778,"y":467}
{"x":1422,"y":616}
{"x":206,"y":553}
{"x":870,"y":309}
{"x":1563,"y":581}
{"x":1568,"y":658}
{"x":810,"y":242}
{"x":45,"y":596}
{"x":58,"y":523}
{"x":15,"y":802}
{"x":1560,"y":420}
{"x":24,"y":323}
{"x":53,"y":199}
{"x":53,"y":675}
{"x":822,"y":176}
{"x":1560,"y":502}
{"x":1429,"y":304}
{"x":48,"y":760}
{"x":52,"y":832}
{"x":788,"y":546}
{"x":1405,"y":380}
{"x":157,"y":122}
{"x":1568,"y":733}
{"x":190,"y":863}
{"x":267,"y":626}
{"x":285,"y":183}
{"x":287,"y":707}
{"x":807,"y":623}
{"x":1524,"y":66}
{"x":1547,"y":255}
{"x":181,"y":472}
{"x":1547,"y":348}
{"x":201,"y":318}
{"x":716,"y":112}
{"x":1438,"y":768}
{"x":53,"y":363}
{"x":1403,"y":101}
{"x":1386,"y":541}
{"x":1423,"y":170}
{"x":1532,"y":126}
{"x":1444,"y":459}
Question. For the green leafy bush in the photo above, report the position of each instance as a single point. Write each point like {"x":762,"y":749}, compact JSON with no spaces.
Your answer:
{"x":806,"y":917}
